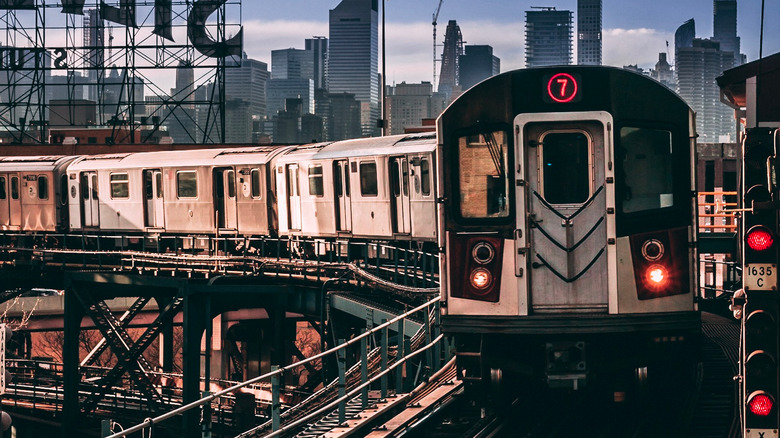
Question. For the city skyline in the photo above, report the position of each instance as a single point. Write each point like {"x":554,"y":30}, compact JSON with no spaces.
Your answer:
{"x":634,"y":38}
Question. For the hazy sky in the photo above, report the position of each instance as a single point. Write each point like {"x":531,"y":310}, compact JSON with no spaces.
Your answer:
{"x":634,"y":31}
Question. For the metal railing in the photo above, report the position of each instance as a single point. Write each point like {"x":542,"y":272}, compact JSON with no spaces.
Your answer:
{"x":374,"y":368}
{"x":714,"y":216}
{"x":404,"y":263}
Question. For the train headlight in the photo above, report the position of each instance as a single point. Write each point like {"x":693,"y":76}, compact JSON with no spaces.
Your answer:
{"x":760,"y":403}
{"x":656,"y":276}
{"x":483,"y":253}
{"x":481,"y":279}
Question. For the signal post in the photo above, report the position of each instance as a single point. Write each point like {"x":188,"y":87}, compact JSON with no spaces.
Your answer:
{"x":760,"y":384}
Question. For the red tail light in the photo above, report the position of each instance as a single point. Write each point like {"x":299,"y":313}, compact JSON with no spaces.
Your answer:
{"x":760,"y":404}
{"x":759,"y":238}
{"x":657,"y":277}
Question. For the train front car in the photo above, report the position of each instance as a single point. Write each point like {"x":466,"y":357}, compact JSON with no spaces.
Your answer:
{"x":566,"y":208}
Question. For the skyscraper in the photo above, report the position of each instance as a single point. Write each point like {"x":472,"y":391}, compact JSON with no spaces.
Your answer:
{"x":353,"y":57}
{"x":725,"y":27}
{"x":292,"y":64}
{"x":248,"y":82}
{"x":318,"y":47}
{"x":453,"y":49}
{"x":548,"y":37}
{"x":697,"y":67}
{"x":477,"y":65}
{"x":589,"y":32}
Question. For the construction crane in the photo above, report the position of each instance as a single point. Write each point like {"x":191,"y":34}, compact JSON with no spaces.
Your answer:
{"x":435,"y":18}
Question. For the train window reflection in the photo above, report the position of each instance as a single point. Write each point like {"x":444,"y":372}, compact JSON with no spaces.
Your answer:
{"x":187,"y":184}
{"x":645,"y":179}
{"x":368,"y":183}
{"x":483,"y":177}
{"x":565,"y":167}
{"x":120,"y":186}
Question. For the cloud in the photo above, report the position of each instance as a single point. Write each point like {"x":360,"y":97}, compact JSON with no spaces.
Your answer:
{"x":635,"y":46}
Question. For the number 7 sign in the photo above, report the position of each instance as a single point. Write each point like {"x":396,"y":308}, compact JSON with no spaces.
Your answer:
{"x":562,"y":87}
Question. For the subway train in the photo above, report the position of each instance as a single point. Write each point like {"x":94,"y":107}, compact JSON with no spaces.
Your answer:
{"x":373,"y":188}
{"x":566,"y":221}
{"x":560,"y":200}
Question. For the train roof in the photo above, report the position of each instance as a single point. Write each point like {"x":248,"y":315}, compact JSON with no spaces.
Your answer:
{"x":390,"y":145}
{"x":40,"y":163}
{"x":195,"y":157}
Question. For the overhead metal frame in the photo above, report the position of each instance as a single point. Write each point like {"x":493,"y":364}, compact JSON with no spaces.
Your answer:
{"x":119,"y":76}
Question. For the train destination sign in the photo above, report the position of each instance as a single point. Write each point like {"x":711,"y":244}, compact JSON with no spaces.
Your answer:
{"x":562,"y":88}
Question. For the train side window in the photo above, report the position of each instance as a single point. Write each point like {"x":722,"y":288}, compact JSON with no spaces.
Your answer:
{"x":43,"y":187}
{"x":14,"y":187}
{"x":405,"y":176}
{"x":159,"y":183}
{"x":316,"y":187}
{"x":231,"y":182}
{"x":566,"y":167}
{"x":346,"y":181}
{"x":256,"y":183}
{"x":64,"y":189}
{"x":425,"y":177}
{"x":85,"y":185}
{"x":645,"y":178}
{"x":368,"y":182}
{"x":483,"y":175}
{"x":187,"y":184}
{"x":2,"y":187}
{"x":120,"y":186}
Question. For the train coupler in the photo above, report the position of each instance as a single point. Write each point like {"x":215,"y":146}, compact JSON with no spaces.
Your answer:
{"x":566,"y":365}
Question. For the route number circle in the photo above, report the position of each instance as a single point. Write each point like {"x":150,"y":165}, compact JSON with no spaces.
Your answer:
{"x":562,"y":87}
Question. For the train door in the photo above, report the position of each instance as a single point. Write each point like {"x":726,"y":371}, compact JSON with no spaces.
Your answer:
{"x":90,"y":204}
{"x":10,"y":202}
{"x":293,"y":198}
{"x":342,"y":195}
{"x":153,"y":202}
{"x":225,"y":197}
{"x":399,"y":191}
{"x":562,"y":220}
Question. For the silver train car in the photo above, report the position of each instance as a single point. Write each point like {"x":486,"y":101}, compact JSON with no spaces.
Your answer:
{"x":567,"y":227}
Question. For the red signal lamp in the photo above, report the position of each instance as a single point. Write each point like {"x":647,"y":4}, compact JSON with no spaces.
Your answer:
{"x":656,"y":277}
{"x":759,"y":238}
{"x":760,"y":404}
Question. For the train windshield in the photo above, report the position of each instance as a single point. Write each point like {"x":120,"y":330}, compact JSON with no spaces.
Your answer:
{"x":566,"y":167}
{"x":646,"y":156}
{"x":483,"y":175}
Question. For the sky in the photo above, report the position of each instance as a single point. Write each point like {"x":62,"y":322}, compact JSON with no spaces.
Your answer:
{"x":634,"y":31}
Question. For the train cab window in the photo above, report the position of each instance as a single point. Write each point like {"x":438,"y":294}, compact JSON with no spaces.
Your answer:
{"x":565,"y":158}
{"x":645,"y":181}
{"x":2,"y":188}
{"x":483,"y":175}
{"x":425,"y":177}
{"x":43,"y":187}
{"x":187,"y":184}
{"x":14,"y":187}
{"x":255,"y":176}
{"x":120,"y":186}
{"x":85,"y":185}
{"x":368,"y":181}
{"x":316,"y":187}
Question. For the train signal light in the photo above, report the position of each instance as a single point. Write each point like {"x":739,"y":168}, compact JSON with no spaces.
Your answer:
{"x":759,"y":228}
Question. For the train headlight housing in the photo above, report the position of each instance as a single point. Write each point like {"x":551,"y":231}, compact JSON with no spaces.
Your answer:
{"x":481,"y":279}
{"x":652,"y":250}
{"x":483,"y":253}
